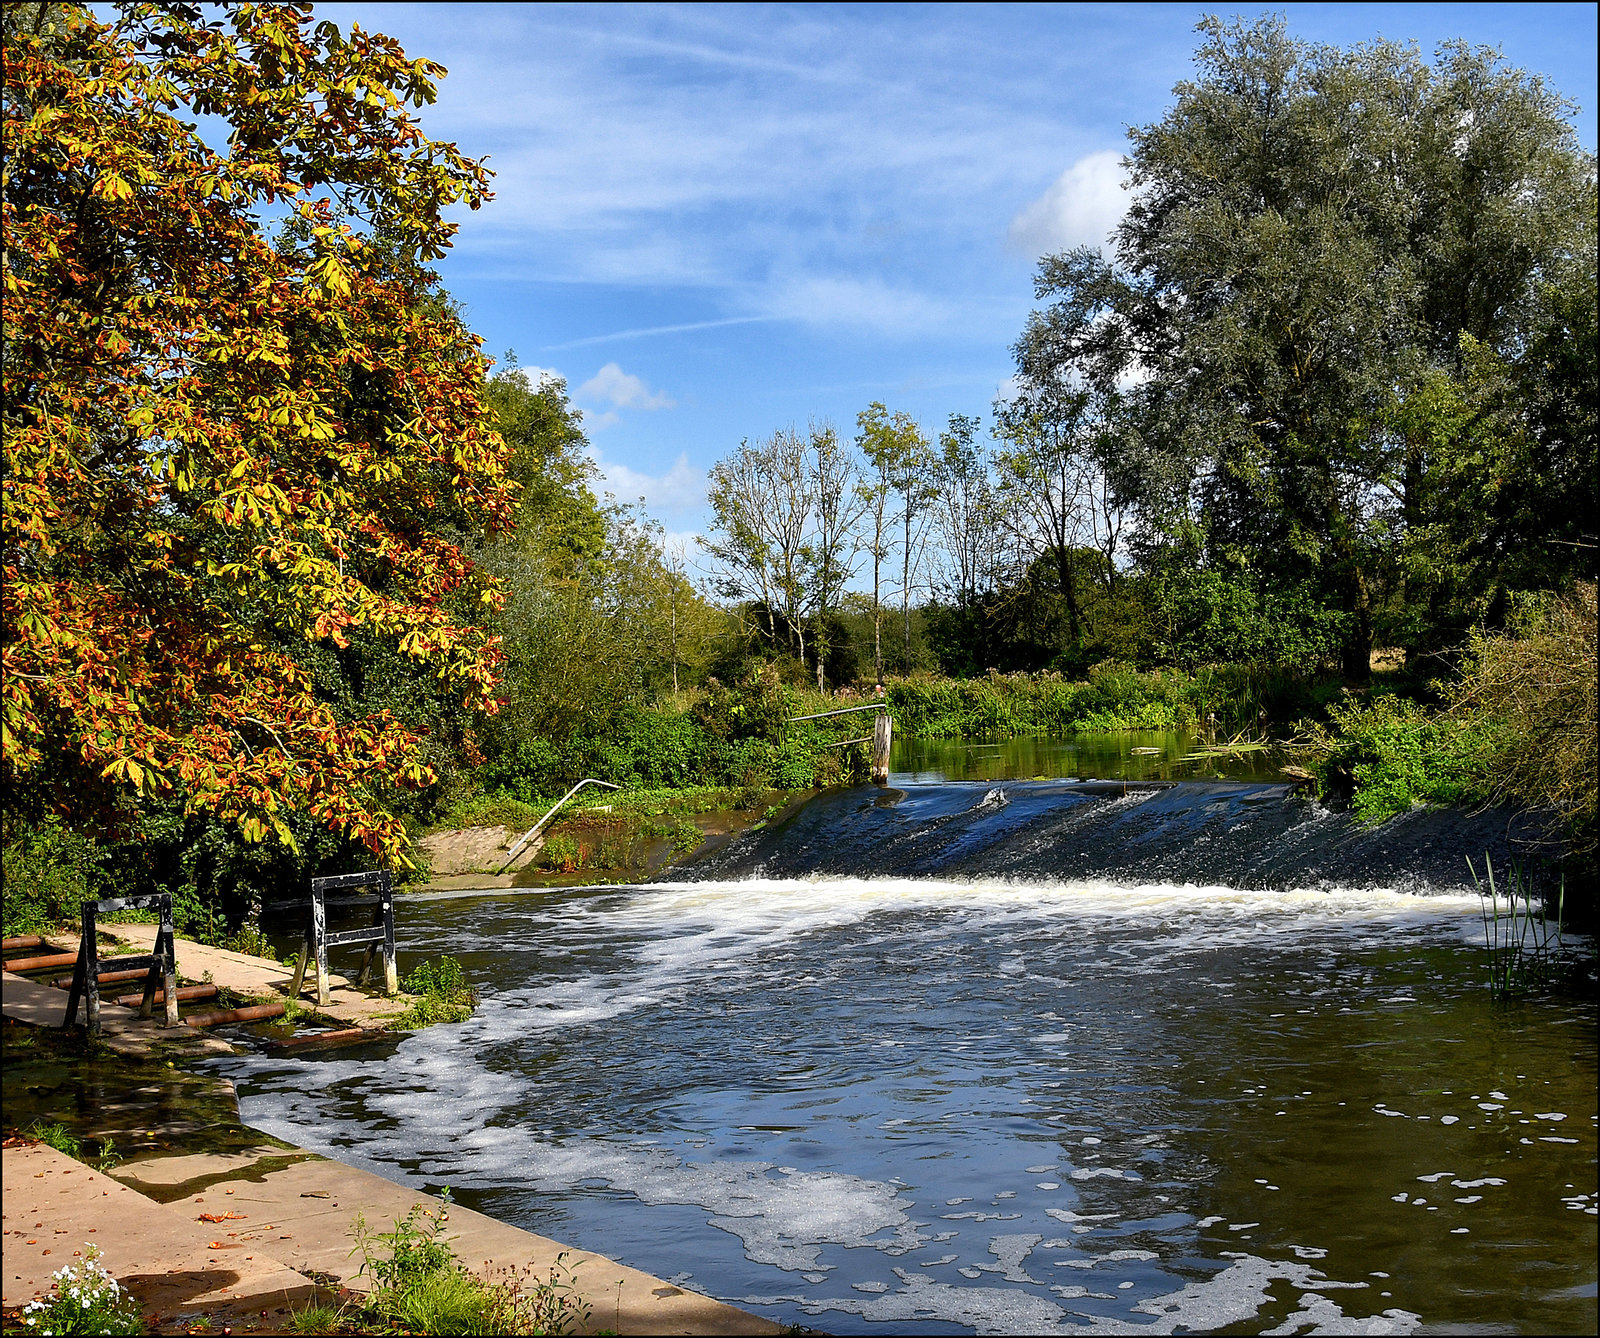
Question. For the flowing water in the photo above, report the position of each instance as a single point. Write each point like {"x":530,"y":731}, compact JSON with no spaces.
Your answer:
{"x":1018,"y":1059}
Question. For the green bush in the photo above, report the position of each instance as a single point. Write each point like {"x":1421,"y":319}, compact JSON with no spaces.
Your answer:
{"x":1389,"y":754}
{"x":524,"y":768}
{"x":422,"y":1287}
{"x":49,"y":872}
{"x":757,"y":708}
{"x":442,"y":995}
{"x":1518,"y":726}
{"x":559,"y":852}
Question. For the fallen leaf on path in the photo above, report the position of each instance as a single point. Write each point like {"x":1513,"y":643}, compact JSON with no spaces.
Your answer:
{"x":220,"y":1217}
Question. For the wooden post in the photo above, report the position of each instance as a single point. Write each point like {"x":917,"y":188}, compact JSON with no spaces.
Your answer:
{"x":319,"y":935}
{"x":86,"y":979}
{"x":166,"y":963}
{"x":315,"y":947}
{"x":882,"y":735}
{"x":391,"y":971}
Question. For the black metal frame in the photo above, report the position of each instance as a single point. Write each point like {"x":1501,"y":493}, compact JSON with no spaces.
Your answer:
{"x":162,"y":961}
{"x":380,"y":934}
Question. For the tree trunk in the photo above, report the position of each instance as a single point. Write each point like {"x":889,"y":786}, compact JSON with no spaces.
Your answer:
{"x":1356,"y":655}
{"x":905,"y":593}
{"x":1069,"y":594}
{"x":877,"y":614}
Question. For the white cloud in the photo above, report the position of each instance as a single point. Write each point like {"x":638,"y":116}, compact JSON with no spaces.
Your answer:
{"x":867,"y":304}
{"x":1080,"y":209}
{"x":622,"y":390}
{"x":681,"y":489}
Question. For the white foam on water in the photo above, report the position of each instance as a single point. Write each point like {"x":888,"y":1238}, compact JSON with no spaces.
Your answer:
{"x":675,"y":935}
{"x":765,"y":909}
{"x":1234,"y":1296}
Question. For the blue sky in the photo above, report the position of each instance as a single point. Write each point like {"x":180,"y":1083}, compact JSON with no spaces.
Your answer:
{"x":715,"y":221}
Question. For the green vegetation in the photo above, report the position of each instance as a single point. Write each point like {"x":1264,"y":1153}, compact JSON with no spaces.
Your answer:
{"x":86,"y":1299}
{"x":317,"y":1318}
{"x":1518,"y":725}
{"x":1341,"y":497}
{"x":56,"y":1136}
{"x":442,"y":995}
{"x":422,"y":1287}
{"x":1523,"y":946}
{"x":48,"y":871}
{"x":1221,"y":700}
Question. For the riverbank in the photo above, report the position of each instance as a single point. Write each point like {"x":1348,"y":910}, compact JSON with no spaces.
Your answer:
{"x":611,"y":838}
{"x":210,"y":1224}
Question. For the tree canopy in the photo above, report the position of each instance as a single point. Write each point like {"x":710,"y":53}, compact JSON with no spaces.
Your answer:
{"x":1336,"y":300}
{"x":224,"y":446}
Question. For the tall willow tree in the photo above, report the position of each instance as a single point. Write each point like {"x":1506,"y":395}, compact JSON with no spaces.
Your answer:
{"x":1317,"y":240}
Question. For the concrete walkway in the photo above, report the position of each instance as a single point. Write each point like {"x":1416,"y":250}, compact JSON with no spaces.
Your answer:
{"x":54,"y":1206}
{"x":290,"y":1230}
{"x":256,"y":975}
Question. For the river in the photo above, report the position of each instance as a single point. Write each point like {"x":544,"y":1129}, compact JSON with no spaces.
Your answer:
{"x":1066,"y":1095}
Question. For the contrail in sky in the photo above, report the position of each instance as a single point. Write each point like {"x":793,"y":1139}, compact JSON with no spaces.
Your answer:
{"x":657,"y":330}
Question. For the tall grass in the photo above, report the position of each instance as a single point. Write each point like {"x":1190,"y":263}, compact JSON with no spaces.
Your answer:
{"x":1540,"y":682}
{"x":422,"y":1287}
{"x":1523,"y":951}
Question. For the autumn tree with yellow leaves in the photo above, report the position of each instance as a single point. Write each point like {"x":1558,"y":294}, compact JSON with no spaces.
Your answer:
{"x":236,"y":425}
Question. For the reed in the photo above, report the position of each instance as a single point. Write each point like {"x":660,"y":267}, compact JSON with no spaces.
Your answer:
{"x":1522,"y":946}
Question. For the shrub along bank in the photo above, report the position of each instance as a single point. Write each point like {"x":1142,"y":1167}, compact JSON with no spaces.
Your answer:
{"x":721,"y":737}
{"x":1518,"y":725}
{"x":1227,"y":698}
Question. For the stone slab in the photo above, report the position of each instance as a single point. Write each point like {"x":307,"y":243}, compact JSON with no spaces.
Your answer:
{"x":54,"y":1206}
{"x":121,"y":1029}
{"x":304,"y":1213}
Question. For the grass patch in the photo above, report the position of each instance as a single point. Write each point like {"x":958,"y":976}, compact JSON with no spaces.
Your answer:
{"x":423,"y":1288}
{"x":317,"y":1318}
{"x":57,"y":1136}
{"x":442,"y":995}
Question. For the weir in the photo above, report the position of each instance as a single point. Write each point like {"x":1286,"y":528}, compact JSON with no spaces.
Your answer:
{"x":1253,"y":835}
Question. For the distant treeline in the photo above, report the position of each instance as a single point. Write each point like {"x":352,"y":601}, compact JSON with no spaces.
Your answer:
{"x":1314,"y":437}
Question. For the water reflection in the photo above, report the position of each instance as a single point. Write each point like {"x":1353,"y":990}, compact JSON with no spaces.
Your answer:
{"x":1126,"y":755}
